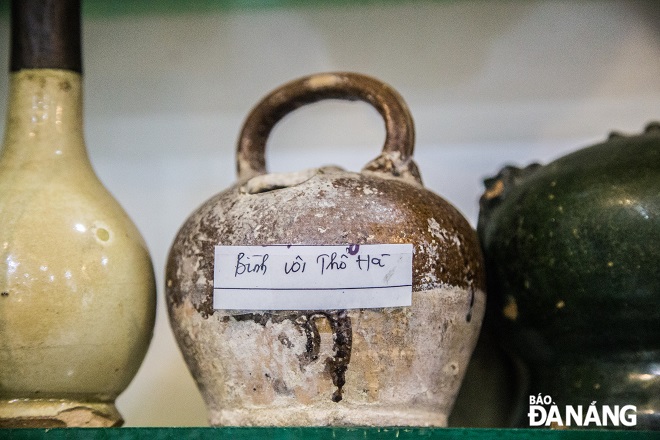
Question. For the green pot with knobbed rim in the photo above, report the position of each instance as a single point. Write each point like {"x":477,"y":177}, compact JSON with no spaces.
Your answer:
{"x":572,"y":254}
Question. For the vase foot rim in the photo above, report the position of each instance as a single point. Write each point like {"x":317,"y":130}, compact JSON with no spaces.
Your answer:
{"x":58,"y":413}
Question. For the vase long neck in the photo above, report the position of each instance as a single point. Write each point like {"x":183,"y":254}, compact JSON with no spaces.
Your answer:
{"x":44,"y":117}
{"x":45,"y":34}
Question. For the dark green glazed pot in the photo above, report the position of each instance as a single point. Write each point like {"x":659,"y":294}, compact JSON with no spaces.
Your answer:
{"x":572,"y":254}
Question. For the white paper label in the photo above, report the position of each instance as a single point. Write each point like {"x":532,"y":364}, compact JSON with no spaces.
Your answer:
{"x":295,"y":277}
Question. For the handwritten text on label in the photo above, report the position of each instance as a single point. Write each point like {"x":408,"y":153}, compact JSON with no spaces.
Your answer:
{"x":295,"y":277}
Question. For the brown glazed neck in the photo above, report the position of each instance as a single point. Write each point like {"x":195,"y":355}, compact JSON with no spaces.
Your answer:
{"x":45,"y":34}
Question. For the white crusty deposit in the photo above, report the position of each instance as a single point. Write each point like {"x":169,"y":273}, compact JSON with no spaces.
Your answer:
{"x":406,"y":364}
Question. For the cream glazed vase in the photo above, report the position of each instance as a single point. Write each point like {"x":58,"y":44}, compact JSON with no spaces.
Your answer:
{"x":305,"y":363}
{"x":77,"y":301}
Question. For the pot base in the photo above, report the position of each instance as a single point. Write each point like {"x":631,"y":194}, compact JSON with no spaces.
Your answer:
{"x":346,"y":415}
{"x":58,"y":413}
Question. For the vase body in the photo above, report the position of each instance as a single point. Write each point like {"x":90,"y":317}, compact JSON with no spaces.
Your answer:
{"x":574,"y":281}
{"x":77,"y":301}
{"x":356,"y":366}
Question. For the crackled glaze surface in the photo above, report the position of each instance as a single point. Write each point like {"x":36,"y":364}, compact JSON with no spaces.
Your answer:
{"x":77,"y":301}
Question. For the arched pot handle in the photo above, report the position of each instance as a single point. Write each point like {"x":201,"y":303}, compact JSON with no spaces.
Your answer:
{"x":396,"y":157}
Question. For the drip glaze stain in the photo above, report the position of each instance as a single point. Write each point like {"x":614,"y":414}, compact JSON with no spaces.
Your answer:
{"x":468,"y":317}
{"x":340,"y":324}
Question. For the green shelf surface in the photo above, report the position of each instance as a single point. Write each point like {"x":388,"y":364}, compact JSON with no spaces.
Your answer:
{"x":320,"y":433}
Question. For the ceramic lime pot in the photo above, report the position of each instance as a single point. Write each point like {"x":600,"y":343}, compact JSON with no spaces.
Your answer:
{"x":572,"y":251}
{"x":322,"y":365}
{"x":77,"y":288}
